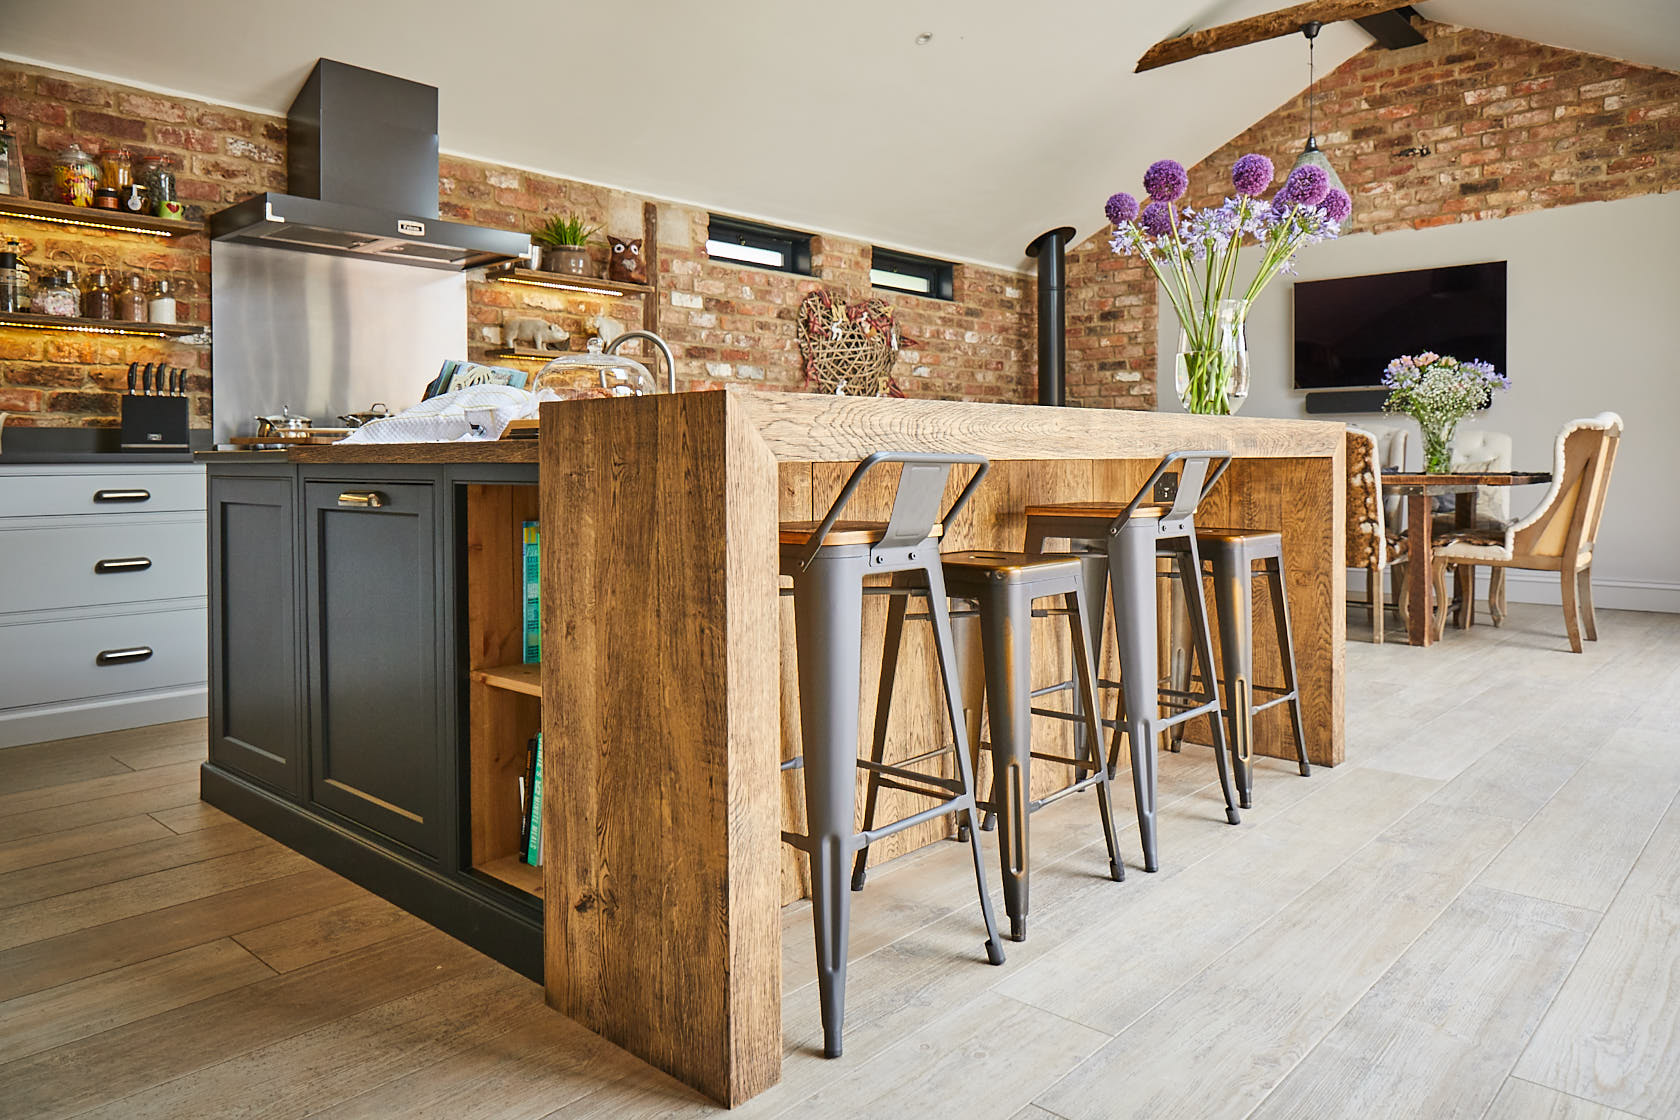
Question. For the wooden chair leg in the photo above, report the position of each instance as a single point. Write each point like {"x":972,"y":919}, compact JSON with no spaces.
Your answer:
{"x":1443,"y":607}
{"x":1464,"y":597}
{"x":1571,"y":613}
{"x":1583,"y":587}
{"x":1402,"y":603}
{"x":1374,"y":601}
{"x":1496,"y":595}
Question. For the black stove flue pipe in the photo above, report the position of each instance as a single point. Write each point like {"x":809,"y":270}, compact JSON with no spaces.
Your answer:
{"x":1050,"y":248}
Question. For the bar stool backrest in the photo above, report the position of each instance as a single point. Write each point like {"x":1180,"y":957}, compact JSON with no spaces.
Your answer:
{"x":1199,"y":473}
{"x":915,"y":511}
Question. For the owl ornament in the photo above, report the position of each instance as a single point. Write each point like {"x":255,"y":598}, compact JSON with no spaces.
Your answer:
{"x":627,"y":264}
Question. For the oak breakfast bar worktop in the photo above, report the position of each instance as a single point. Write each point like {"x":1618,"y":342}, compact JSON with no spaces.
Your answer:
{"x":668,"y":702}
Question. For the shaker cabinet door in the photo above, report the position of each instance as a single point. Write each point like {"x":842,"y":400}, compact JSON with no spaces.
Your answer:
{"x":256,"y":702}
{"x":373,"y":649}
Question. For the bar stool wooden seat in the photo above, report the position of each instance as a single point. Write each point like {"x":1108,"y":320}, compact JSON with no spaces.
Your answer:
{"x":1120,"y":544}
{"x":1233,"y":554}
{"x":828,"y":562}
{"x":1004,"y":586}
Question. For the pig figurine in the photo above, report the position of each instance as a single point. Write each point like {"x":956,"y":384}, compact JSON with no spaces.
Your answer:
{"x":542,"y":335}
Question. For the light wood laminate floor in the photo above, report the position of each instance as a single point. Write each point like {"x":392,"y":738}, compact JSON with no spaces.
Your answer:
{"x":1478,"y":915}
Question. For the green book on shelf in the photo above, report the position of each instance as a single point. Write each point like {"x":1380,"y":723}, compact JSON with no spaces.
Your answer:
{"x":533,"y":846}
{"x":532,"y":570}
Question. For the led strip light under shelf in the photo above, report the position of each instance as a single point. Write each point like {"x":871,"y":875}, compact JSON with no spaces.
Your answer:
{"x":79,"y":223}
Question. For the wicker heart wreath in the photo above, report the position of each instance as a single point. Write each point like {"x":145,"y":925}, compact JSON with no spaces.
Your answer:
{"x":849,"y":348}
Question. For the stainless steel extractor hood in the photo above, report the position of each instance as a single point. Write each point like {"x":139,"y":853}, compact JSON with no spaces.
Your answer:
{"x":362,"y":180}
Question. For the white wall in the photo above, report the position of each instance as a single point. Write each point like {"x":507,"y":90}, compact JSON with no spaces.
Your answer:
{"x":1594,"y":324}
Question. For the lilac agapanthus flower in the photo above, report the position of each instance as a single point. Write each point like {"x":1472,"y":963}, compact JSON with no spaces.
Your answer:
{"x":1166,"y":180}
{"x":1121,"y":208}
{"x":1251,"y":174}
{"x":1306,"y":185}
{"x":1337,"y":206}
{"x":1157,"y":219}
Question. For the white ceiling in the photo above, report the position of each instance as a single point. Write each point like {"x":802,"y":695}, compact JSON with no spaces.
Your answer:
{"x":1014,"y":119}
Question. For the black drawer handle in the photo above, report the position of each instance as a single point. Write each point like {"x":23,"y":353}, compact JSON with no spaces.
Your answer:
{"x":122,"y":656}
{"x":363,"y":499}
{"x":121,"y":495}
{"x":124,"y":564}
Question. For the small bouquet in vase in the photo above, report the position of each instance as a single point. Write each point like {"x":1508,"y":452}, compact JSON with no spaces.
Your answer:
{"x":1439,"y":392}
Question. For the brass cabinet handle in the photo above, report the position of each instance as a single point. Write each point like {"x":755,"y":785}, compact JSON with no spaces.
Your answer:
{"x":122,"y":656}
{"x":363,"y":499}
{"x":123,"y":564}
{"x":121,"y":495}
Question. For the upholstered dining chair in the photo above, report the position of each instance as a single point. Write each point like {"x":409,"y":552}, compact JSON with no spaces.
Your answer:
{"x":1370,"y":543}
{"x":1478,"y":450}
{"x":1391,"y":456}
{"x":1558,"y":536}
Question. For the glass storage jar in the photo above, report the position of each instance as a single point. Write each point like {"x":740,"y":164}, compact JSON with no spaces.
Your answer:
{"x":75,"y":176}
{"x":57,"y":294}
{"x":161,"y":307}
{"x":98,"y":301}
{"x":158,"y":177}
{"x":116,"y":167}
{"x":131,"y":300}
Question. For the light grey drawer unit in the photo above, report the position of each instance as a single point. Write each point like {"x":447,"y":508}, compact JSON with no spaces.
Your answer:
{"x":55,"y":491}
{"x":128,"y":651}
{"x":102,"y":598}
{"x":78,"y":562}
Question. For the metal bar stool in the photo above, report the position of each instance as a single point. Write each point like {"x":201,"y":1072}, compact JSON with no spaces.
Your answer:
{"x":828,"y":562}
{"x":1121,"y":543}
{"x":1233,"y":554}
{"x":1004,"y":585}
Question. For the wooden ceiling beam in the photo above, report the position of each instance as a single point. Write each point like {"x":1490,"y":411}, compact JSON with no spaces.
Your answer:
{"x":1257,"y":29}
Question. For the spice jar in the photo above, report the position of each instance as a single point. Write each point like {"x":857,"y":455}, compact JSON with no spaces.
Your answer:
{"x":116,"y":167}
{"x":131,"y":300}
{"x":161,"y":307}
{"x":107,"y":199}
{"x":58,"y":295}
{"x":75,"y":176}
{"x":98,"y":301}
{"x":136,"y":199}
{"x":158,"y":175}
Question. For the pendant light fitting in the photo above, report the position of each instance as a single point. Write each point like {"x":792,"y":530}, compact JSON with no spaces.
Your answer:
{"x":1310,"y":153}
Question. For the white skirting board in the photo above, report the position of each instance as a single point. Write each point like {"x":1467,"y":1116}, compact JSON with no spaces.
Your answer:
{"x":1544,"y":587}
{"x":66,"y":720}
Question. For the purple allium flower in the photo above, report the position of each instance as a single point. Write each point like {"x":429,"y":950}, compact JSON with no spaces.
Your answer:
{"x":1166,"y":180}
{"x":1121,"y":208}
{"x":1337,"y":206}
{"x":1157,"y":219}
{"x":1251,"y":174}
{"x":1280,"y":204}
{"x":1306,"y":185}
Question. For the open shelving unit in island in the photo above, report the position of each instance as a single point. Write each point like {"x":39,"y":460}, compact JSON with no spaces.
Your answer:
{"x":504,"y":693}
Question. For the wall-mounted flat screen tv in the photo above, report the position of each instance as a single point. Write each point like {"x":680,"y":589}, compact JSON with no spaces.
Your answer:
{"x":1348,"y":329}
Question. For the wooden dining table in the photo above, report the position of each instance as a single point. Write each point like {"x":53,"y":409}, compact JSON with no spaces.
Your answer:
{"x":1420,"y":491}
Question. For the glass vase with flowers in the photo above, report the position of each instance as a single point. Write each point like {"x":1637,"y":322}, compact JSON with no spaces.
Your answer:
{"x":1439,"y":392}
{"x":1194,"y":254}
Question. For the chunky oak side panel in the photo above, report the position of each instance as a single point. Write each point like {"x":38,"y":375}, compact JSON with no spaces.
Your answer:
{"x":660,"y":731}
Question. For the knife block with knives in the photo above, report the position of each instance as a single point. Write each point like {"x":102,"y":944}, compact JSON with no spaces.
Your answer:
{"x":154,"y":410}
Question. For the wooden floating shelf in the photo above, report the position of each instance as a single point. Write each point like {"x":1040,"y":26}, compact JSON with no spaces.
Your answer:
{"x":512,"y":678}
{"x":97,"y":326}
{"x":588,"y":285}
{"x":530,"y":354}
{"x":510,"y":871}
{"x":88,"y":217}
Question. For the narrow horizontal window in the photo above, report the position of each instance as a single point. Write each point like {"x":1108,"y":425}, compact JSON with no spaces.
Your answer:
{"x":784,"y":250}
{"x":905,"y":272}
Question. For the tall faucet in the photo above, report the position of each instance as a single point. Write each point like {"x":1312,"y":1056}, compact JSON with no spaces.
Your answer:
{"x":670,"y":362}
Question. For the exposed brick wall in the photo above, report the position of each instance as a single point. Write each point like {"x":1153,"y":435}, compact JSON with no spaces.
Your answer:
{"x":727,"y":324}
{"x":1512,"y":126}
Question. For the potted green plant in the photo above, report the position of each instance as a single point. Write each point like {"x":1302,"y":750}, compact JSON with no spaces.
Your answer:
{"x":565,"y":245}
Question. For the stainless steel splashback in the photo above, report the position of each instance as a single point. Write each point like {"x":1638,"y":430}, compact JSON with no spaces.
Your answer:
{"x":326,"y":335}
